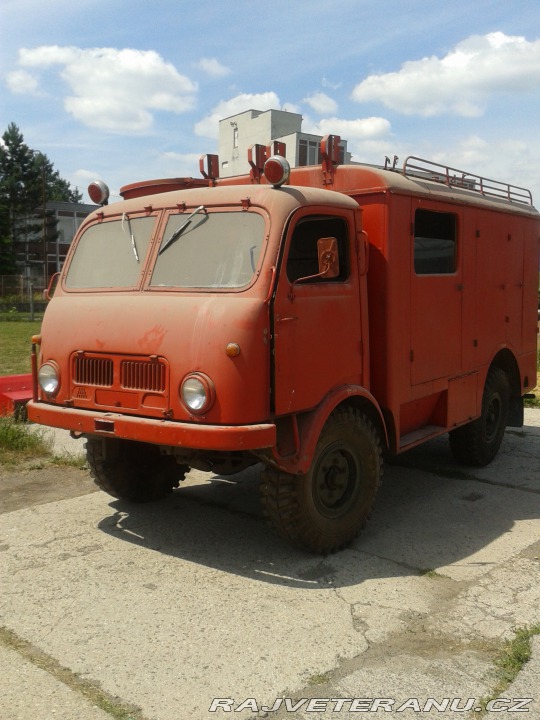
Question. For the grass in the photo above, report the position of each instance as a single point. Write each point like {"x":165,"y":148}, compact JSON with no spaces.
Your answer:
{"x":64,"y":460}
{"x":15,"y":316}
{"x":432,"y":574}
{"x":320,"y":678}
{"x":18,"y":442}
{"x":511,"y":659}
{"x":15,"y":344}
{"x":514,"y":655}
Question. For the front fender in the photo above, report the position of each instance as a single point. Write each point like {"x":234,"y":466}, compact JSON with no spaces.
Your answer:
{"x":297,"y":435}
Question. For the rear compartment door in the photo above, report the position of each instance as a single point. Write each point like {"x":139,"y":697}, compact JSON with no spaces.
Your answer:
{"x":436,"y":294}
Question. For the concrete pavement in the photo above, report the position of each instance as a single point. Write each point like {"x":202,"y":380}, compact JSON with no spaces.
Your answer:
{"x":169,"y":606}
{"x":61,"y":441}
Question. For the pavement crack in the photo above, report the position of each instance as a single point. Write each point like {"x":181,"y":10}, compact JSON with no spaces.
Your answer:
{"x":115,"y":707}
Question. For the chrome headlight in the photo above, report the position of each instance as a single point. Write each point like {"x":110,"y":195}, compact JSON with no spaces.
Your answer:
{"x":49,"y":378}
{"x":197,"y":393}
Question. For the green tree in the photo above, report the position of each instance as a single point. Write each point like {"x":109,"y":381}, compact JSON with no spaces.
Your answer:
{"x":28,"y":181}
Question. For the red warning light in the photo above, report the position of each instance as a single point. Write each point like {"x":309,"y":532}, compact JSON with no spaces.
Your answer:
{"x":277,"y":170}
{"x":98,"y":192}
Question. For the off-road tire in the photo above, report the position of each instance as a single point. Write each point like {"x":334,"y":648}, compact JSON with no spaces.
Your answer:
{"x":132,"y":471}
{"x":325,"y":509}
{"x":478,"y":442}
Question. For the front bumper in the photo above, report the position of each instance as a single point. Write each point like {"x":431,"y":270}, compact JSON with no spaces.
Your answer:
{"x":158,"y":432}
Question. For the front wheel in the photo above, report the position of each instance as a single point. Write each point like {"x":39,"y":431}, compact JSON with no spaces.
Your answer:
{"x":325,"y":509}
{"x":132,"y":471}
{"x":478,"y":442}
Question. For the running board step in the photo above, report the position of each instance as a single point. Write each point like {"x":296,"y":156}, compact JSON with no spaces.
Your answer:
{"x":418,"y":436}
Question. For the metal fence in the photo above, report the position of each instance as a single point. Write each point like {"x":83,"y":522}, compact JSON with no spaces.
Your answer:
{"x":21,"y":298}
{"x":18,"y":288}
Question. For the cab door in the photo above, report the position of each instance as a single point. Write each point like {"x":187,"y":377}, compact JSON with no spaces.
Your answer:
{"x":316,"y":319}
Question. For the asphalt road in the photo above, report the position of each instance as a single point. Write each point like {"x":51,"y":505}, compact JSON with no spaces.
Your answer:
{"x":163,"y":611}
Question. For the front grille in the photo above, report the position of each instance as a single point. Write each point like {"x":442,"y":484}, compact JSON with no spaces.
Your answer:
{"x":142,"y":375}
{"x":93,"y":371}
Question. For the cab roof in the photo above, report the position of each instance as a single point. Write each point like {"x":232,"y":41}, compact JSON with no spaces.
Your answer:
{"x":284,"y":199}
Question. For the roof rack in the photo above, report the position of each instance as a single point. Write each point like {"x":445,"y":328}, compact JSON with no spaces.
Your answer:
{"x":428,"y":170}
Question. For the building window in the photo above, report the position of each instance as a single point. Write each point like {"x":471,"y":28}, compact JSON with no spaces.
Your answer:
{"x":302,"y":152}
{"x":435,"y":243}
{"x":309,"y":152}
{"x":235,"y":136}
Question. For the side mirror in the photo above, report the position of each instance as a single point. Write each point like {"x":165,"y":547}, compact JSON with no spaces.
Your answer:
{"x":53,"y":282}
{"x":328,"y":260}
{"x":328,"y":257}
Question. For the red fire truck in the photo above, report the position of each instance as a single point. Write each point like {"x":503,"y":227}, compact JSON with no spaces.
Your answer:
{"x":308,"y":319}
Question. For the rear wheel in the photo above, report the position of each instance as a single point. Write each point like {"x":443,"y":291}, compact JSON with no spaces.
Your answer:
{"x":326,"y":508}
{"x":478,"y":442}
{"x":131,"y":470}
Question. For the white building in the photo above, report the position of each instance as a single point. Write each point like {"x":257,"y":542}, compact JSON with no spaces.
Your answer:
{"x":239,"y":132}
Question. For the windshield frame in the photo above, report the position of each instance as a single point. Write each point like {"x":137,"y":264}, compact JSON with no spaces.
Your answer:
{"x":208,"y":211}
{"x":148,"y":262}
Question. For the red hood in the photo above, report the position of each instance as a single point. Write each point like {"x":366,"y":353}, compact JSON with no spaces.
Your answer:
{"x":190,"y":332}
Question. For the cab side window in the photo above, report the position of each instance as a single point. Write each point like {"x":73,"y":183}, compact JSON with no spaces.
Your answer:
{"x":435,"y":243}
{"x":303,"y":260}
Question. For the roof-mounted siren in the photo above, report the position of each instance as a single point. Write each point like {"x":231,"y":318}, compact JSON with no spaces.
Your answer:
{"x":330,"y":153}
{"x":277,"y":170}
{"x":99,"y":192}
{"x":209,"y":167}
{"x":256,"y":159}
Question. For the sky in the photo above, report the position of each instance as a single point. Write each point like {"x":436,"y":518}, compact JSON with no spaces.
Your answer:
{"x":126,"y":91}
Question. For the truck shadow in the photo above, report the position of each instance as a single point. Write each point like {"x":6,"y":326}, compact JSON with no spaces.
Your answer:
{"x":430,"y":514}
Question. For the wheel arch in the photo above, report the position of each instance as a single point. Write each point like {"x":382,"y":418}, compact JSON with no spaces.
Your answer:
{"x":310,"y":425}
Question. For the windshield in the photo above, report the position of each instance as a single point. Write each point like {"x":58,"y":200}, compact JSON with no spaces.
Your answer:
{"x":213,"y":250}
{"x":110,"y":254}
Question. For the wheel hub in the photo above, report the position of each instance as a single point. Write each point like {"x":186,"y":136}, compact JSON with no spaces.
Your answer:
{"x":493,"y":417}
{"x":336,"y":481}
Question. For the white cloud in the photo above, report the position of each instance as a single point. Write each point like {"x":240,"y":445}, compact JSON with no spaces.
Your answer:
{"x":291,"y":107}
{"x":331,"y":85}
{"x":190,"y":158}
{"x":180,"y":164}
{"x":471,"y":152}
{"x":321,"y":103}
{"x":81,"y":178}
{"x":462,"y":81}
{"x":115,"y":90}
{"x":209,"y":125}
{"x":213,"y":67}
{"x":21,"y":82}
{"x":368,"y":139}
{"x":515,"y":161}
{"x":361,"y":129}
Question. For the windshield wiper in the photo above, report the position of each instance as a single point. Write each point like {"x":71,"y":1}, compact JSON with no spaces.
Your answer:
{"x":176,"y":234}
{"x":125,"y":216}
